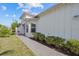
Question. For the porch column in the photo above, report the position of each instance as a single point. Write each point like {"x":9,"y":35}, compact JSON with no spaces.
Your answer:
{"x":29,"y":28}
{"x":25,"y":29}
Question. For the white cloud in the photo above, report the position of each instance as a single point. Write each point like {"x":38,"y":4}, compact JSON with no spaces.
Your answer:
{"x":3,"y":7}
{"x":30,"y":5}
{"x":27,"y":7}
{"x":36,"y":5}
{"x":26,"y":10}
{"x":21,"y":5}
{"x":14,"y":15}
{"x":6,"y":15}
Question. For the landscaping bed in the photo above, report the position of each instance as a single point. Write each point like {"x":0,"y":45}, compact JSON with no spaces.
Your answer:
{"x":70,"y":47}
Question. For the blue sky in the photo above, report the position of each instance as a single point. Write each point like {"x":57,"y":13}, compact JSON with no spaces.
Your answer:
{"x":11,"y":11}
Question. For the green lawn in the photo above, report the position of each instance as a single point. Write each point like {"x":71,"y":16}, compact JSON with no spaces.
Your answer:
{"x":15,"y":47}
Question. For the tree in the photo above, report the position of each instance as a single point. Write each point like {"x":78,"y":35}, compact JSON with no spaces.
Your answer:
{"x":13,"y":26}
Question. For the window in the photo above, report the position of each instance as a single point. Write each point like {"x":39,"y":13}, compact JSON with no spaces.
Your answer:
{"x":23,"y":26}
{"x":26,"y":28}
{"x":33,"y":27}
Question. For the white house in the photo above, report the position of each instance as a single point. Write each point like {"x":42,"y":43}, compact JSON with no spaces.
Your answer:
{"x":28,"y":22}
{"x":61,"y":20}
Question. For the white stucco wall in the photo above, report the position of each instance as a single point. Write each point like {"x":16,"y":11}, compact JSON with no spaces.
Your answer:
{"x":61,"y":23}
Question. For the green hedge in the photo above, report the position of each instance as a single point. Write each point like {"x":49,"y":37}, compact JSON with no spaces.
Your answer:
{"x":36,"y":36}
{"x":56,"y":41}
{"x":70,"y":46}
{"x":73,"y":46}
{"x":49,"y":40}
{"x":39,"y":36}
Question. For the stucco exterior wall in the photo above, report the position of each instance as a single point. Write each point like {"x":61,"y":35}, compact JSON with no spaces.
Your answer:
{"x":61,"y":23}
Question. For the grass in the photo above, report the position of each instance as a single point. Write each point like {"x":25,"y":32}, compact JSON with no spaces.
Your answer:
{"x":12,"y":46}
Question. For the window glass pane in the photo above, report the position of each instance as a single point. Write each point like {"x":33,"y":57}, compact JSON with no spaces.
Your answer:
{"x":33,"y":27}
{"x":26,"y":28}
{"x":33,"y":30}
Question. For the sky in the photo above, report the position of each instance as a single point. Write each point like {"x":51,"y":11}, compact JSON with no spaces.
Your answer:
{"x":10,"y":12}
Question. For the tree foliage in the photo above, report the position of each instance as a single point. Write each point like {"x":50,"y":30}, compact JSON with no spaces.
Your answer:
{"x":14,"y":25}
{"x":4,"y":31}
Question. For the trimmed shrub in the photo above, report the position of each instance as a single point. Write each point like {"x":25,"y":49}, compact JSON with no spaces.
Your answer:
{"x":56,"y":41}
{"x":39,"y":36}
{"x":73,"y":46}
{"x":59,"y":42}
{"x":49,"y":40}
{"x":36,"y":36}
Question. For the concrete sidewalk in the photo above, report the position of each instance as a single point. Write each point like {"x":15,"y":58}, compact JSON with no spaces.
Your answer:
{"x":40,"y":49}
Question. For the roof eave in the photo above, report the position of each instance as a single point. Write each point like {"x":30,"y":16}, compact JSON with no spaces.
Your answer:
{"x":50,"y":9}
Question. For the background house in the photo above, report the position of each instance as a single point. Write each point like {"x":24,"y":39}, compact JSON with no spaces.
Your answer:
{"x":61,"y":20}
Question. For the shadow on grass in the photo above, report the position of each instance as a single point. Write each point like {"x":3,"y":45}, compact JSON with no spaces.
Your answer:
{"x":6,"y":51}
